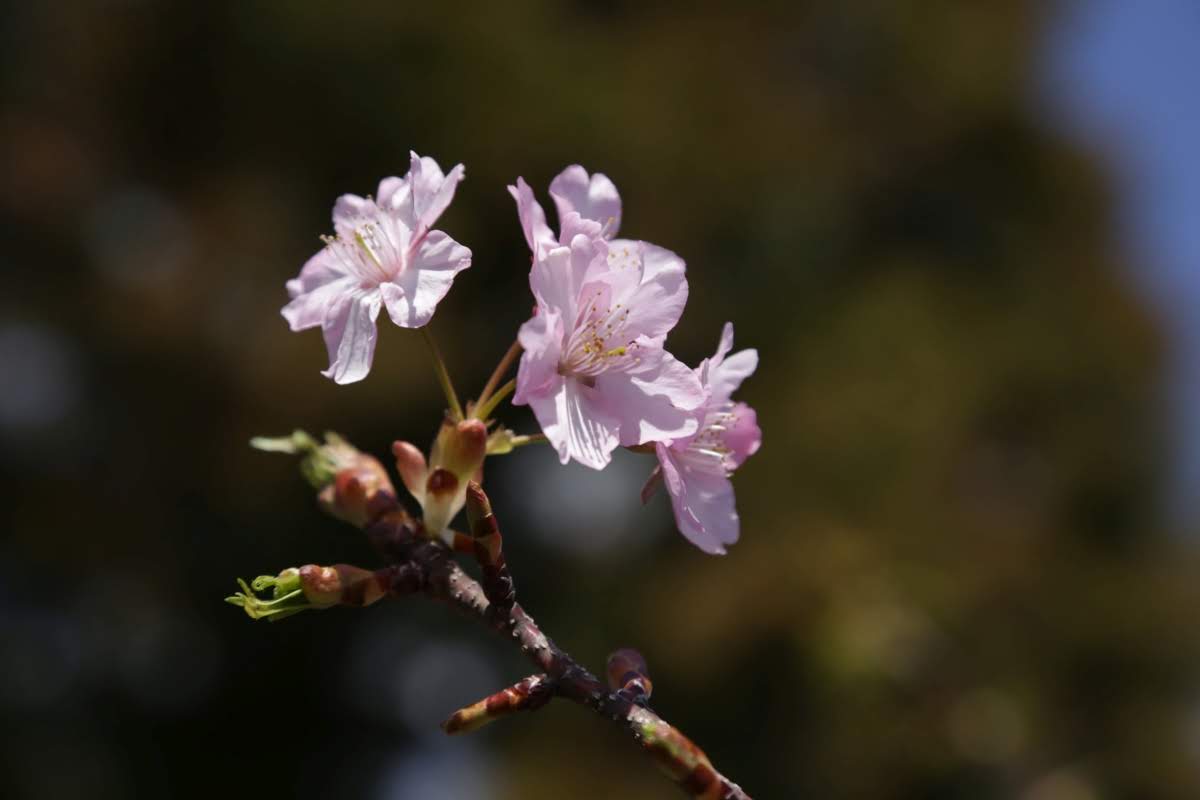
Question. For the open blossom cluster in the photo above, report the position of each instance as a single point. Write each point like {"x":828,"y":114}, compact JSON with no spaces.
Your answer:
{"x":594,"y":369}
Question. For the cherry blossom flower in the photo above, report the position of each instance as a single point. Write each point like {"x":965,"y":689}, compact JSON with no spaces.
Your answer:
{"x":696,"y":469}
{"x":594,"y":369}
{"x":383,"y":254}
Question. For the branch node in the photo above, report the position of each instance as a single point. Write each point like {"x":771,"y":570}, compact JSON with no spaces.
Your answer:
{"x":629,"y":676}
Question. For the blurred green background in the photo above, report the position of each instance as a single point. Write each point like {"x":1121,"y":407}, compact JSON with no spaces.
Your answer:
{"x":955,"y":579}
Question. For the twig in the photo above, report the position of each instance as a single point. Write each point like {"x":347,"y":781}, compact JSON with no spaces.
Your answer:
{"x":420,"y":565}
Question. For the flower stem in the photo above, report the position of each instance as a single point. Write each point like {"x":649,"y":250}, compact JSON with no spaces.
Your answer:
{"x":498,"y":373}
{"x":533,"y":438}
{"x":439,"y":366}
{"x":485,"y":409}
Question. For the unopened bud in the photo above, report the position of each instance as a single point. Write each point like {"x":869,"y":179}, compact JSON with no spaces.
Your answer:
{"x":627,"y":673}
{"x":460,"y":447}
{"x":501,"y":442}
{"x":456,"y":458}
{"x":410,"y":463}
{"x":308,"y":587}
{"x":319,"y":463}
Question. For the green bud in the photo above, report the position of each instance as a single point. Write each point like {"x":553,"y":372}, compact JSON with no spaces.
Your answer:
{"x":500,"y":442}
{"x":281,"y":606}
{"x":319,"y":462}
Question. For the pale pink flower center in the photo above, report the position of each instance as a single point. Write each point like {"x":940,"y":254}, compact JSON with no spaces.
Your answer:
{"x":600,"y":344}
{"x":372,"y":252}
{"x":708,"y":451}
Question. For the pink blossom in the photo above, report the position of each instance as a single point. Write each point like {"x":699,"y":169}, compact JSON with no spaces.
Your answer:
{"x":383,"y":254}
{"x":594,"y":369}
{"x":696,"y":469}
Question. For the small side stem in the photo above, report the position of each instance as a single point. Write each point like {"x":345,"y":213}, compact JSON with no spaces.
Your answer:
{"x":439,"y":366}
{"x":506,"y":362}
{"x":486,"y":407}
{"x":532,"y":438}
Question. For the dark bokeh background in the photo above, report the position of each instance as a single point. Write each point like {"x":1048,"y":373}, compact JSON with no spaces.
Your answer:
{"x":955,"y":580}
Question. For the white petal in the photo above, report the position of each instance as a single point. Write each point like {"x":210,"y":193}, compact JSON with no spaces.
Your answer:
{"x":591,"y":431}
{"x":727,"y":376}
{"x":320,"y":281}
{"x":350,"y":335}
{"x":541,"y":339}
{"x":593,"y":198}
{"x":310,"y":309}
{"x":533,"y":219}
{"x":657,"y":304}
{"x":703,"y":505}
{"x":348,"y":212}
{"x":573,"y":418}
{"x":654,"y":406}
{"x":432,"y":191}
{"x":414,"y":294}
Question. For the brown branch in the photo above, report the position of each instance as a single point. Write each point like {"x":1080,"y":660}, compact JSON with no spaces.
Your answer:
{"x":529,"y":694}
{"x":418,"y":564}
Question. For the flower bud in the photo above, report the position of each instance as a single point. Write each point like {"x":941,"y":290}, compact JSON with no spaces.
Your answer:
{"x":501,"y":442}
{"x":311,"y":586}
{"x":410,"y":463}
{"x":460,"y":448}
{"x":440,"y":486}
{"x":359,"y":491}
{"x":353,"y":486}
{"x":627,"y":673}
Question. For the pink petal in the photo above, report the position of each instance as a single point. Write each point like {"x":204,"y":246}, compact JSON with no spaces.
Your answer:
{"x":724,"y":344}
{"x":710,"y":501}
{"x":743,"y":437}
{"x":413,"y":295}
{"x":533,"y":220}
{"x":541,"y":340}
{"x":431,"y":190}
{"x":593,"y":198}
{"x":655,"y":405}
{"x":319,"y":284}
{"x":391,"y":192}
{"x":309,"y":310}
{"x":723,"y":375}
{"x":552,"y":282}
{"x":574,"y":422}
{"x":350,"y":334}
{"x":349,"y":211}
{"x":670,"y":470}
{"x":657,"y":304}
{"x":660,"y":261}
{"x":703,"y":504}
{"x":591,"y":431}
{"x":650,"y":487}
{"x":572,"y":225}
{"x":726,"y":377}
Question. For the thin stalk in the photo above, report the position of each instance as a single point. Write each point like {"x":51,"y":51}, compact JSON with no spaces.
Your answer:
{"x":439,"y":366}
{"x":533,"y":438}
{"x":498,"y":373}
{"x":489,"y":405}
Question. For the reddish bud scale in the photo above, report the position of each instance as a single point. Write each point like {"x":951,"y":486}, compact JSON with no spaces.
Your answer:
{"x":441,"y":482}
{"x":489,"y":551}
{"x":462,"y":543}
{"x":341,"y":584}
{"x":627,"y":673}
